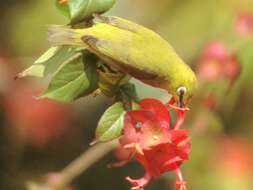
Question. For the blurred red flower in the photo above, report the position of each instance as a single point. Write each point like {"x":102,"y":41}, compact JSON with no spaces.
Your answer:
{"x":64,"y":2}
{"x":211,"y":101}
{"x":217,"y":63}
{"x":215,"y":50}
{"x":154,"y":143}
{"x":235,"y":156}
{"x":37,"y":121}
{"x":244,"y":24}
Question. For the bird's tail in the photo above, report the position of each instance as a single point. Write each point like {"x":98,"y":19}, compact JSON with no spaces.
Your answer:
{"x":62,"y":35}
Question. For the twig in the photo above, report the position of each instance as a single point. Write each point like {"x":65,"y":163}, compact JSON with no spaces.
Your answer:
{"x":78,"y":166}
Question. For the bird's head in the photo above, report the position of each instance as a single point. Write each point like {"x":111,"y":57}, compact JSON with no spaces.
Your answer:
{"x":182,"y":87}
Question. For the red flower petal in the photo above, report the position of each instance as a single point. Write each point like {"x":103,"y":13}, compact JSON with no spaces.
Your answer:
{"x":130,"y":132}
{"x":146,"y":133}
{"x":157,"y":107}
{"x":158,"y":156}
{"x":133,"y":122}
{"x":141,"y":116}
{"x":182,"y":140}
{"x":139,"y":183}
{"x":179,"y":135}
{"x":152,"y":134}
{"x":137,"y":124}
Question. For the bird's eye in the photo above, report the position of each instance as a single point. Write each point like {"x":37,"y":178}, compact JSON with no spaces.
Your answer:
{"x":181,"y":90}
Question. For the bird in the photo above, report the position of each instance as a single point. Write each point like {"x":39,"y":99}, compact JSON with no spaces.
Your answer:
{"x":135,"y":50}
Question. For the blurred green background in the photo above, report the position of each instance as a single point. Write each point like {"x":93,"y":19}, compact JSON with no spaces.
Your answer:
{"x":39,"y":138}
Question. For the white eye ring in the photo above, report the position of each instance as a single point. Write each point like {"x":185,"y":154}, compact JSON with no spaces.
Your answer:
{"x":181,"y":90}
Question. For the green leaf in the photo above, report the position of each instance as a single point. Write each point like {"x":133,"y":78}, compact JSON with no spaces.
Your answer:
{"x":77,"y":77}
{"x":34,"y":70}
{"x":80,"y":10}
{"x":49,"y":62}
{"x":111,"y":124}
{"x":47,"y":55}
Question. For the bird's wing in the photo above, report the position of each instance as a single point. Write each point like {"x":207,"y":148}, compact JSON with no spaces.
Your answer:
{"x":117,"y":56}
{"x":120,"y":23}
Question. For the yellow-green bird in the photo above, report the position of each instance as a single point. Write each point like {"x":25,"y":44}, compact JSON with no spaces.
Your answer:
{"x":135,"y":50}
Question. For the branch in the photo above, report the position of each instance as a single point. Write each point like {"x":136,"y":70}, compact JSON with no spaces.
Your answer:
{"x":75,"y":168}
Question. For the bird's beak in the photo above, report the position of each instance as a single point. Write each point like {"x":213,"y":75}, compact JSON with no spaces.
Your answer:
{"x":181,"y":101}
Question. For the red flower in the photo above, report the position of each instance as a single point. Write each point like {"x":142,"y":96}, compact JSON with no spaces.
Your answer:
{"x":244,"y":24}
{"x":234,"y":156}
{"x":39,"y":122}
{"x":154,"y":143}
{"x":215,"y":50}
{"x":232,"y":68}
{"x":217,"y":63}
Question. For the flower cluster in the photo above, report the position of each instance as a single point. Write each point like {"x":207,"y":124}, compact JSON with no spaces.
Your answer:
{"x":154,"y":143}
{"x":217,"y":63}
